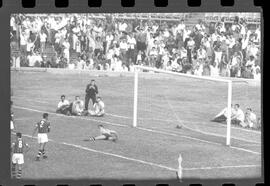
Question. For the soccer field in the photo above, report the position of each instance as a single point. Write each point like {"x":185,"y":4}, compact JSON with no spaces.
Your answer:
{"x":149,"y":151}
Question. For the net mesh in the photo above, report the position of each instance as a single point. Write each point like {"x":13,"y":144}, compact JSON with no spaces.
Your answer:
{"x":184,"y":105}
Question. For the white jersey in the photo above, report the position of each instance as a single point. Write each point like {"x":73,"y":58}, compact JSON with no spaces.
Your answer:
{"x":106,"y":131}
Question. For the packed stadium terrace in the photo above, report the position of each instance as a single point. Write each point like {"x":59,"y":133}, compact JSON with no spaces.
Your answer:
{"x":213,"y":44}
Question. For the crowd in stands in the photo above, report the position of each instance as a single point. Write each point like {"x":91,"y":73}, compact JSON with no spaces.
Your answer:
{"x":79,"y":41}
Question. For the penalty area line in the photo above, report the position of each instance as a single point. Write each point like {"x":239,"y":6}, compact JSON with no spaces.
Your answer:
{"x":146,"y":162}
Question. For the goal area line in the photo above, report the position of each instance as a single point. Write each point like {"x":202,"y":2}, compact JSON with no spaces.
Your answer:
{"x":46,"y":101}
{"x":139,"y":128}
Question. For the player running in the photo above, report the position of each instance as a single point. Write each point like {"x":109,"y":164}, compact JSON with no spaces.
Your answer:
{"x":43,"y":127}
{"x":17,"y":157}
{"x":105,"y":134}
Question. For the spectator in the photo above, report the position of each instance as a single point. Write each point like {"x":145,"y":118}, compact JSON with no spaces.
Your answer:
{"x":238,"y":115}
{"x":63,"y":106}
{"x":250,"y":119}
{"x":77,"y":107}
{"x":136,"y":41}
{"x":98,"y":108}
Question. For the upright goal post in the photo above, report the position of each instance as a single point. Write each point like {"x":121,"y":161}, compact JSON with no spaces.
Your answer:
{"x":229,"y":98}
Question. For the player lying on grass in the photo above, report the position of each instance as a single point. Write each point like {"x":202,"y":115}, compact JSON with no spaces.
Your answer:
{"x":98,"y":108}
{"x":105,"y":134}
{"x":18,"y":148}
{"x":77,"y":107}
{"x":63,"y":106}
{"x":43,"y":127}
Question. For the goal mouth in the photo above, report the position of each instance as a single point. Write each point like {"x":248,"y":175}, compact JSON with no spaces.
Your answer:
{"x":161,"y":104}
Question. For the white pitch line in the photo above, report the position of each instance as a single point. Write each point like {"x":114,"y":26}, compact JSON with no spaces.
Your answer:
{"x":19,"y":119}
{"x":140,"y":128}
{"x":146,"y":162}
{"x":127,"y":117}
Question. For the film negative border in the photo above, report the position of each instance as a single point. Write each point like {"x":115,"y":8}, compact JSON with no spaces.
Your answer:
{"x":109,"y":6}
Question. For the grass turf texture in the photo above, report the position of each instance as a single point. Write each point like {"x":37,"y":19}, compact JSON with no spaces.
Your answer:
{"x":143,"y":152}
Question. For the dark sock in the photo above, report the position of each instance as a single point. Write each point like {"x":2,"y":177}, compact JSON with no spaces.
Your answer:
{"x":39,"y":153}
{"x":19,"y":174}
{"x":13,"y":170}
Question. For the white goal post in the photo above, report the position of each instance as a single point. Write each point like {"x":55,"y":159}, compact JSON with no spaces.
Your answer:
{"x":229,"y":98}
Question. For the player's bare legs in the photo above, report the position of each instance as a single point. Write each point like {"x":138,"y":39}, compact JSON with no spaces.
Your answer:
{"x":114,"y":137}
{"x":43,"y":151}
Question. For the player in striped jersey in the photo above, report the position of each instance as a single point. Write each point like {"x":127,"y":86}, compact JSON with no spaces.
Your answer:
{"x":17,"y":157}
{"x":105,"y":134}
{"x":43,"y":127}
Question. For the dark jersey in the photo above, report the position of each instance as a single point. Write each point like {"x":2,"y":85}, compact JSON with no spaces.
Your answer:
{"x":18,"y":145}
{"x":91,"y":90}
{"x":43,"y":126}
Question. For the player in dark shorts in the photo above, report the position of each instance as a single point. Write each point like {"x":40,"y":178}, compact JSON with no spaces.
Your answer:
{"x":105,"y":134}
{"x":43,"y":127}
{"x":18,"y":148}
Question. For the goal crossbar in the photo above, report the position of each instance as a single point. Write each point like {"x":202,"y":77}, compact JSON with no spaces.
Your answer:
{"x":229,"y":97}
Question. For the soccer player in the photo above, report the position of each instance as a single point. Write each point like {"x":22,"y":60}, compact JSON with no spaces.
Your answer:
{"x":98,"y":108}
{"x":105,"y":134}
{"x":12,"y":128}
{"x":91,"y":92}
{"x":17,"y":157}
{"x":43,"y":127}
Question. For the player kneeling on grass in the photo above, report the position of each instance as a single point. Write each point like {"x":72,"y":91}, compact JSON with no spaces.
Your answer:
{"x":43,"y":127}
{"x":98,"y":108}
{"x":77,"y":107}
{"x":17,"y":157}
{"x":105,"y":134}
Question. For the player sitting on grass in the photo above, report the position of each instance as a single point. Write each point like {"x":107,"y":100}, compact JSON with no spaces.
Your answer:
{"x":105,"y":134}
{"x":63,"y":106}
{"x":238,"y":116}
{"x":17,"y":157}
{"x":43,"y":127}
{"x":222,"y":116}
{"x":98,"y":108}
{"x":77,"y":107}
{"x":250,"y":119}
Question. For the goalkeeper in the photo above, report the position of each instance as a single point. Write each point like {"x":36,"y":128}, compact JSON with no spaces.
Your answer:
{"x":105,"y":134}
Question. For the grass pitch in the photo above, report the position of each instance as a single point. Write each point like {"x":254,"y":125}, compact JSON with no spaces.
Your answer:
{"x":149,"y":151}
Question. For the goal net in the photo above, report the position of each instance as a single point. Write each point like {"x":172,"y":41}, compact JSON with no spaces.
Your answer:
{"x":173,"y":102}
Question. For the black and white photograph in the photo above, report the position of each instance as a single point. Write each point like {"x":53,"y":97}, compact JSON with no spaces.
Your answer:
{"x":136,"y":96}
